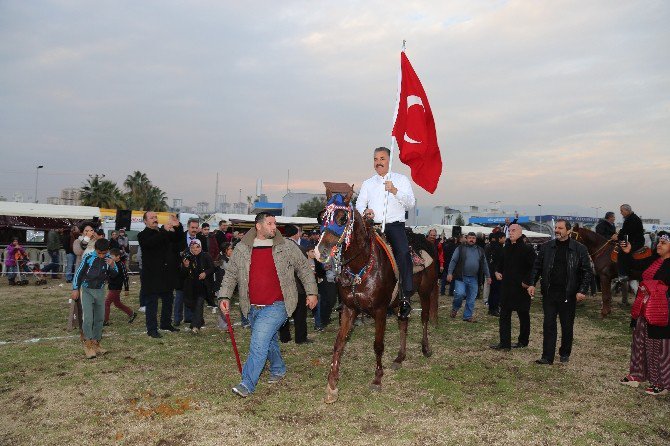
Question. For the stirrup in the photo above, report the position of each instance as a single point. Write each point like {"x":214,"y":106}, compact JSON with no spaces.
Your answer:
{"x":404,"y":309}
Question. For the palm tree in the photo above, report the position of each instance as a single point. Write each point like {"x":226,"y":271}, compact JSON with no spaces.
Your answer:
{"x":101,"y":193}
{"x":137,"y":186}
{"x":155,"y":199}
{"x":142,"y":195}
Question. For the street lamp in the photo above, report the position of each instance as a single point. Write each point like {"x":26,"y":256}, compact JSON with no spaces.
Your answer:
{"x":37,"y":175}
{"x":540,"y":206}
{"x":597,"y":208}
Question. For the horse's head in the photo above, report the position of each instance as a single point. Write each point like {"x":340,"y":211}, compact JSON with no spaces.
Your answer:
{"x":336,"y":220}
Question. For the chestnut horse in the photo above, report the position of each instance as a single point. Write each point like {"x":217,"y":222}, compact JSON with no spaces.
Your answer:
{"x":366,"y":281}
{"x":600,"y":250}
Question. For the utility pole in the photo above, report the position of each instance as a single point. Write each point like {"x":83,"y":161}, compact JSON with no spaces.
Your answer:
{"x":216,"y":194}
{"x":37,"y":174}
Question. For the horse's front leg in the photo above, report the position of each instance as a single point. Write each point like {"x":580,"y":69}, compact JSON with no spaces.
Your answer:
{"x":402,"y":351}
{"x":347,"y":317}
{"x":380,"y":329}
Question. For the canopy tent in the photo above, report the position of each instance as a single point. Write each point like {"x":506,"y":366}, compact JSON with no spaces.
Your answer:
{"x":447,"y":229}
{"x":43,"y":216}
{"x":248,"y":219}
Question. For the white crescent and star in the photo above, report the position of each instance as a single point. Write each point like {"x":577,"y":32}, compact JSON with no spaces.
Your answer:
{"x":411,"y":101}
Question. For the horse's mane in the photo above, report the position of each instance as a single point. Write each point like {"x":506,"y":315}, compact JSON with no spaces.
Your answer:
{"x":593,"y":236}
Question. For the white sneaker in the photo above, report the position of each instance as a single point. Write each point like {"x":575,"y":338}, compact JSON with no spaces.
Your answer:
{"x":142,"y":309}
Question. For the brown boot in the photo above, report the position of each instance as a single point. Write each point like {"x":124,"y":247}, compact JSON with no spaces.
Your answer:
{"x":98,"y":349}
{"x":89,"y":349}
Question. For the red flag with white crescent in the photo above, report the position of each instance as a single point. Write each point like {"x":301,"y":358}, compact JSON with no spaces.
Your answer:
{"x":414,"y":129}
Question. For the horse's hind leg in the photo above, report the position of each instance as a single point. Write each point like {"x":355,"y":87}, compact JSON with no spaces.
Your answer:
{"x":402,"y":352}
{"x":425,"y":318}
{"x":380,"y":329}
{"x":347,"y":318}
{"x":606,"y":289}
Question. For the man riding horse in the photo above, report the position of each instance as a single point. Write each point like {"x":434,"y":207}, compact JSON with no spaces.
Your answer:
{"x":632,"y":232}
{"x":394,"y":194}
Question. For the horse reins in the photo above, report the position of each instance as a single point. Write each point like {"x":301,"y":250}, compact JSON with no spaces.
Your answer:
{"x":597,"y":252}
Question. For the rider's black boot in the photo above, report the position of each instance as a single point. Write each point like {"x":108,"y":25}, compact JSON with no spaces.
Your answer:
{"x":405,"y":307}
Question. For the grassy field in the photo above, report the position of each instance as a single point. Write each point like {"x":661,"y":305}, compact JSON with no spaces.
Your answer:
{"x":176,"y":391}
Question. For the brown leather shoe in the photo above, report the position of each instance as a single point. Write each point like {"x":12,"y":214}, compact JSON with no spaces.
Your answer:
{"x":89,"y":349}
{"x":98,"y":349}
{"x":453,"y":314}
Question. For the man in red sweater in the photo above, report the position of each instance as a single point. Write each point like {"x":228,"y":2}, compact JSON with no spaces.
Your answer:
{"x":263,"y":266}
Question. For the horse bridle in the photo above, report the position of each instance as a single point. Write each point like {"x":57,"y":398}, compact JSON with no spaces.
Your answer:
{"x":345,"y":237}
{"x":597,"y":252}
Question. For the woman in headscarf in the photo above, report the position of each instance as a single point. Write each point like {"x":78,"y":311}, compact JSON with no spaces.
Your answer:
{"x":197,"y":270}
{"x":650,"y":351}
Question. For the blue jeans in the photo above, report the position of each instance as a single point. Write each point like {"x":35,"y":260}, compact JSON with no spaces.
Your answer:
{"x":317,"y":315}
{"x":54,"y":266}
{"x":467,"y":289}
{"x":12,"y":272}
{"x":180,"y":311}
{"x":264,"y":345}
{"x":69,"y":270}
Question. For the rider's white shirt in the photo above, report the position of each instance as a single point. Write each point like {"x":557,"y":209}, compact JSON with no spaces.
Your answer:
{"x":373,"y":195}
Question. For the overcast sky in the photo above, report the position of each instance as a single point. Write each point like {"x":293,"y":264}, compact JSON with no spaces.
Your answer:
{"x":563,"y":103}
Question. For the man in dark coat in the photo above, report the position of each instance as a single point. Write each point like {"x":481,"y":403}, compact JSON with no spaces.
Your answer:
{"x":300,"y":314}
{"x":158,"y":269}
{"x":494,"y":252}
{"x":605,"y":226}
{"x":565,"y":268}
{"x":515,"y":269}
{"x":632,"y":232}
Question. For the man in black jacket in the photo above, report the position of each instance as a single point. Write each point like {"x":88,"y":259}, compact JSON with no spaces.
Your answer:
{"x":565,"y":269}
{"x":158,"y":269}
{"x":514,"y":270}
{"x":605,"y":226}
{"x":494,"y":252}
{"x":632,"y":232}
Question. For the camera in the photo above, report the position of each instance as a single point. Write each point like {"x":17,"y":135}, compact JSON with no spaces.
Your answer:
{"x":186,"y":255}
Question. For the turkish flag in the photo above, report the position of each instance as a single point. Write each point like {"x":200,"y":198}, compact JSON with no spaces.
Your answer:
{"x":414,"y":129}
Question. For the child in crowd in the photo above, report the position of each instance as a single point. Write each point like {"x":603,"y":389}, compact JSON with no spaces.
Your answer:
{"x":95,"y":269}
{"x":115,"y":285}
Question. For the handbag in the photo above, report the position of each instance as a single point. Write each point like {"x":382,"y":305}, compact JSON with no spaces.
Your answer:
{"x":653,"y":294}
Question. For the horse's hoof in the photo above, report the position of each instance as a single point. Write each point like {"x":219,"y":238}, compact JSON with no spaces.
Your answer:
{"x":376,"y":387}
{"x":331,"y":395}
{"x":428,"y":353}
{"x":396,"y":365}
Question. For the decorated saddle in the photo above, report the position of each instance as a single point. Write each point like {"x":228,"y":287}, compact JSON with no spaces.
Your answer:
{"x":640,"y":254}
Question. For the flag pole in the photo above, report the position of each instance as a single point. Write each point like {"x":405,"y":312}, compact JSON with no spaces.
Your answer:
{"x":395,"y":115}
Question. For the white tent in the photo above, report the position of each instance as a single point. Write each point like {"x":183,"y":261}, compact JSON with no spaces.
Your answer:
{"x":447,"y":229}
{"x":48,"y":210}
{"x":249,"y":218}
